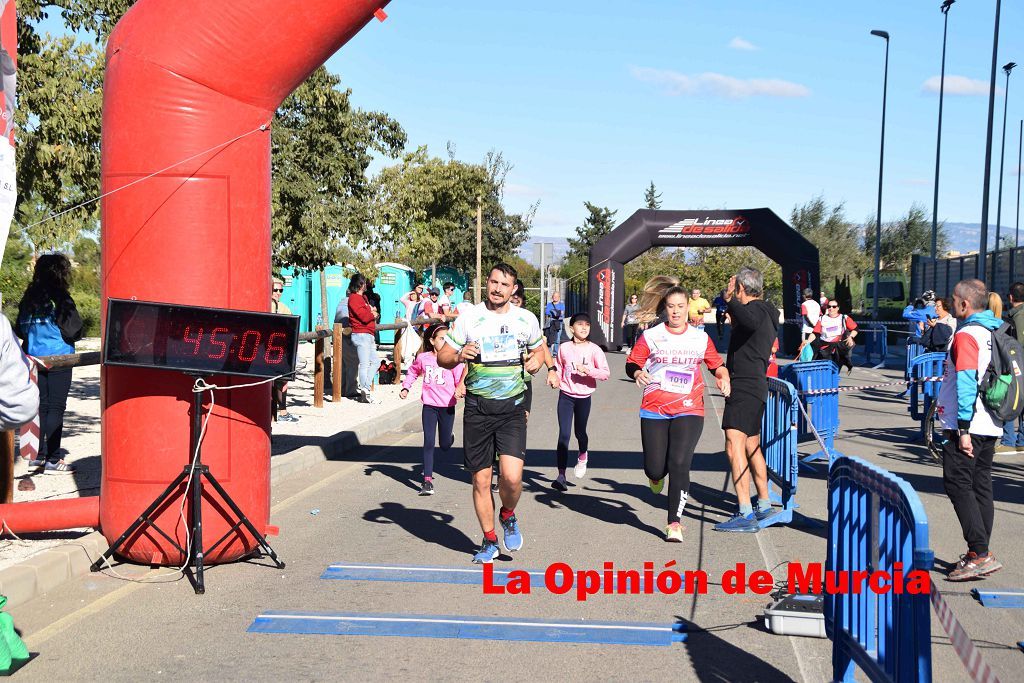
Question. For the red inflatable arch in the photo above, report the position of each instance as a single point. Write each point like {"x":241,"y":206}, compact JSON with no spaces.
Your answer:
{"x":183,"y":77}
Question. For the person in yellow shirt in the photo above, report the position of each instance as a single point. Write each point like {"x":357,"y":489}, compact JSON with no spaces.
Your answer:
{"x":698,"y":307}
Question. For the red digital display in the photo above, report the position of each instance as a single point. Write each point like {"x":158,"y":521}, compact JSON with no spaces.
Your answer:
{"x":208,"y":341}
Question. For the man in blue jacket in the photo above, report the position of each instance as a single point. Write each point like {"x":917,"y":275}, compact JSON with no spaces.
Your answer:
{"x":971,"y":430}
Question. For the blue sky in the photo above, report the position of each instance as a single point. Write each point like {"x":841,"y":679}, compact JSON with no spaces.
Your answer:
{"x":722,"y":104}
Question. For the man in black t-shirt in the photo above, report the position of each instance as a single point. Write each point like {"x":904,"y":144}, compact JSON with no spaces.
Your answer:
{"x":755,"y":325}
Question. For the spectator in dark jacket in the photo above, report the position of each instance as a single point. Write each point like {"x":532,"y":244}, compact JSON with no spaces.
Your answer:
{"x":49,"y":325}
{"x":363,"y":318}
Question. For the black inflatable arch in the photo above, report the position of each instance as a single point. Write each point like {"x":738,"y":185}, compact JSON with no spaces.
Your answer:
{"x":759,"y":228}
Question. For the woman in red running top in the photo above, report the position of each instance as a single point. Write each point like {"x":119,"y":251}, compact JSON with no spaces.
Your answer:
{"x":665,"y":363}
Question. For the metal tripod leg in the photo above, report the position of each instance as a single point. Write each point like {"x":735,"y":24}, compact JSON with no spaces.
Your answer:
{"x":260,"y":538}
{"x":144,"y":518}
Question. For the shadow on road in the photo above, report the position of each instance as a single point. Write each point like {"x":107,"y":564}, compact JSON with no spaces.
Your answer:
{"x":716,"y":659}
{"x":429,"y":526}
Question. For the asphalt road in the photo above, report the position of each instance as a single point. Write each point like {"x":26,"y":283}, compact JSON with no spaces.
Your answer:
{"x":105,"y":627}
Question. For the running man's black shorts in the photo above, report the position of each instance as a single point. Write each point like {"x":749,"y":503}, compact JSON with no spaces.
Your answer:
{"x":743,"y":412}
{"x":528,"y":396}
{"x":492,"y":426}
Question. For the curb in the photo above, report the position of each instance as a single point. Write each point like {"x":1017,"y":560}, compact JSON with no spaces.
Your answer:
{"x":51,"y":568}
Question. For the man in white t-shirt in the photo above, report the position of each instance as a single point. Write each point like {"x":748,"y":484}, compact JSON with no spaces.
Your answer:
{"x":465,"y":305}
{"x":489,"y":338}
{"x":445,"y":298}
{"x":810,"y":311}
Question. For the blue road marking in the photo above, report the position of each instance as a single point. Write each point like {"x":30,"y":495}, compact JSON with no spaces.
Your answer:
{"x":999,"y":598}
{"x":472,"y":628}
{"x":350,"y":571}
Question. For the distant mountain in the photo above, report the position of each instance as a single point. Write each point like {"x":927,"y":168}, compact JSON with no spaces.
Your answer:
{"x":965,"y":237}
{"x":560,"y":248}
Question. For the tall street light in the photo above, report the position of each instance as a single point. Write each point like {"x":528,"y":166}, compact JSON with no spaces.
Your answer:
{"x":938,"y":141}
{"x":881,"y":161}
{"x":1007,"y":68}
{"x":983,"y":246}
{"x":1020,"y":172}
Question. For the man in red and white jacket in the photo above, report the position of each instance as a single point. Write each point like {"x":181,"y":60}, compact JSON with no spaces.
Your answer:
{"x":970,"y":429}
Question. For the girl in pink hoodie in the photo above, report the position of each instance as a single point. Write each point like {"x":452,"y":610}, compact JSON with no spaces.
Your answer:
{"x":442,"y":388}
{"x":581,"y":364}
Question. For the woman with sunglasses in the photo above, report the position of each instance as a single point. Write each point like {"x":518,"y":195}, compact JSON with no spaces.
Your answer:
{"x":834,"y":334}
{"x":279,"y":391}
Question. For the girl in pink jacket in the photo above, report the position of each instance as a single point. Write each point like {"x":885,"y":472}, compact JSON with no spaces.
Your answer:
{"x":441,"y":390}
{"x":581,"y":364}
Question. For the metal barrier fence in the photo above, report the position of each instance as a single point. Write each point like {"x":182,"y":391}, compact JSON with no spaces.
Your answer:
{"x":822,"y":410}
{"x":923,"y":394}
{"x":914,"y":349}
{"x":778,"y":442}
{"x":876,"y":342}
{"x":876,"y":521}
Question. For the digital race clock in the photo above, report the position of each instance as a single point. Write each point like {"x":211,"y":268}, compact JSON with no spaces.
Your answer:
{"x":197,"y":340}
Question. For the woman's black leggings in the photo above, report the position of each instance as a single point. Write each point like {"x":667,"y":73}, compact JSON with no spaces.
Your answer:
{"x":54,"y":386}
{"x":571,"y":408}
{"x":668,"y":451}
{"x":629,"y":335}
{"x":435,"y":420}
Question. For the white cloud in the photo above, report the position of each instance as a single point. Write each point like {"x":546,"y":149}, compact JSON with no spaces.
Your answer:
{"x":738,"y":43}
{"x":958,"y":85}
{"x":520,"y":190}
{"x":719,"y":85}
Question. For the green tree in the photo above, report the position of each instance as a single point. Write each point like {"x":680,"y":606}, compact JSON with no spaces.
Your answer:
{"x":652,"y":198}
{"x":711,"y":267}
{"x":426,"y":211}
{"x":837,"y":239}
{"x":322,"y":146}
{"x":910,"y":234}
{"x":598,"y":223}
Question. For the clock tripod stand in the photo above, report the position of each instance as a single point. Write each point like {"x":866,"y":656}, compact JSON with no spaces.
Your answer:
{"x":194,"y":477}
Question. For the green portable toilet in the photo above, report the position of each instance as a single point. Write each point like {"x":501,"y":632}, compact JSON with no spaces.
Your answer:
{"x":296,"y":295}
{"x":393,"y":281}
{"x":337,"y":278}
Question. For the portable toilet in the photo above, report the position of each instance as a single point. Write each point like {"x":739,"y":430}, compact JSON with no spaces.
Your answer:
{"x":449,"y":274}
{"x":393,"y":281}
{"x":337,"y":279}
{"x":296,"y":295}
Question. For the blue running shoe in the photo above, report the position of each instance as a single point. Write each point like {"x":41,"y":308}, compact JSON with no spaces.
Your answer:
{"x":488,"y":551}
{"x":743,"y":524}
{"x":760,"y":515}
{"x":513,"y":536}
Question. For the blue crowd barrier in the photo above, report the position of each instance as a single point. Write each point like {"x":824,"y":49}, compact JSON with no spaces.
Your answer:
{"x":876,"y":343}
{"x":778,"y":443}
{"x":923,"y":394}
{"x":914,"y":350}
{"x":821,"y":409}
{"x":876,"y":520}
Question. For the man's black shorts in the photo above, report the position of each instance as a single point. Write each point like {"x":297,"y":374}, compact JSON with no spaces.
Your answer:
{"x":743,"y":412}
{"x":492,"y":427}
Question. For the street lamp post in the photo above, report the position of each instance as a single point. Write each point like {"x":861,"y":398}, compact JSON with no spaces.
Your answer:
{"x":983,"y":246}
{"x":881,"y":162}
{"x":938,"y":142}
{"x":1020,"y":172}
{"x":1007,"y":68}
